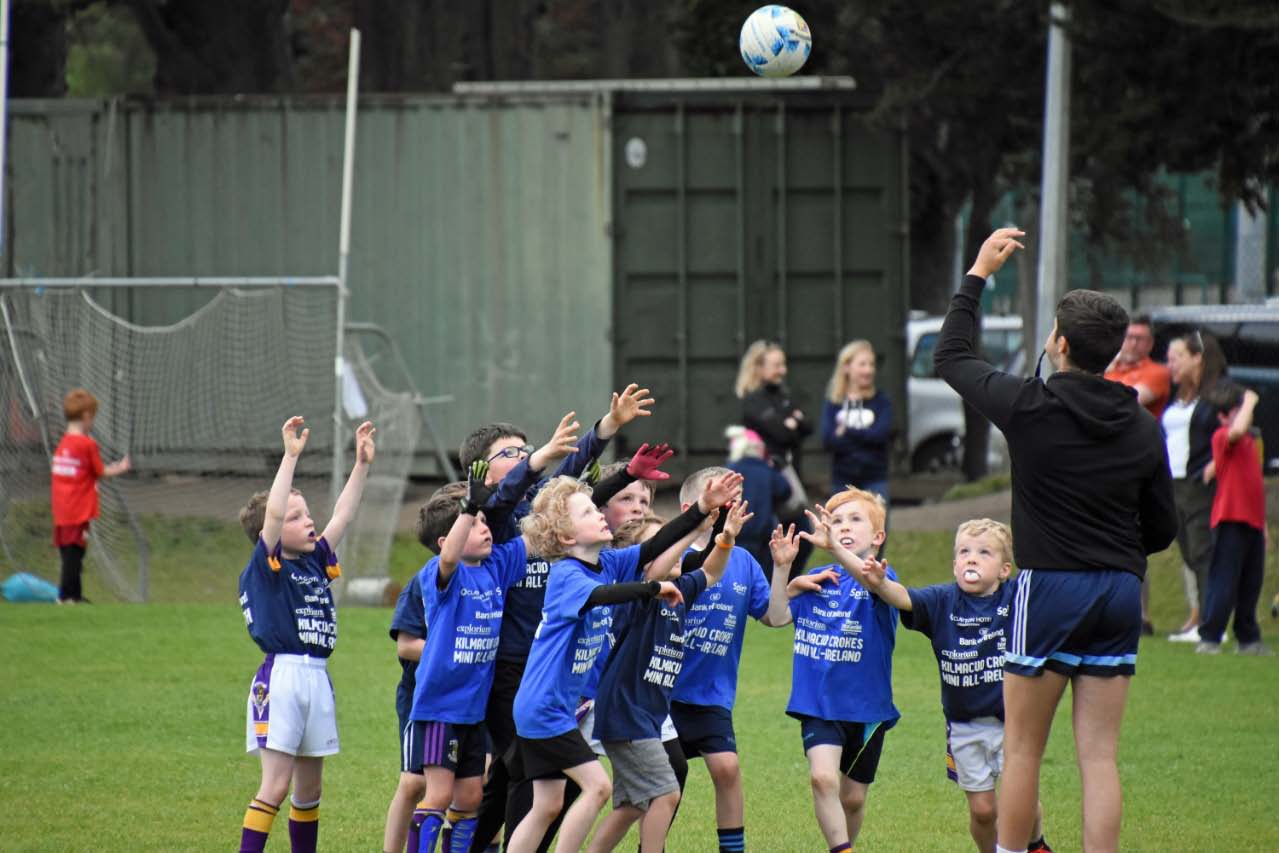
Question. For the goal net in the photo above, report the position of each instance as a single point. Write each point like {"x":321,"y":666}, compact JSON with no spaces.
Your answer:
{"x":194,"y":384}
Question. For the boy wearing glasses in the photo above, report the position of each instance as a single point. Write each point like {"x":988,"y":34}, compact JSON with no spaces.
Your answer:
{"x":516,"y":472}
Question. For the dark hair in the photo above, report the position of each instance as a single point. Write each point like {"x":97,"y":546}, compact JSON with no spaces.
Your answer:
{"x":477,"y":444}
{"x":1225,"y":396}
{"x":613,"y":467}
{"x":437,"y":515}
{"x":1212,"y":364}
{"x":253,"y":514}
{"x":1095,"y":325}
{"x":1142,"y":319}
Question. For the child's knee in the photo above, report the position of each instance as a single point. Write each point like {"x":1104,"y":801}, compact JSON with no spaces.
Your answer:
{"x":599,"y":790}
{"x":547,"y":806}
{"x":853,"y":799}
{"x":725,"y":774}
{"x":824,"y":781}
{"x":982,"y":811}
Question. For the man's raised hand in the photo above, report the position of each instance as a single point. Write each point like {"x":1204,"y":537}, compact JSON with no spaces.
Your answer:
{"x":997,"y":249}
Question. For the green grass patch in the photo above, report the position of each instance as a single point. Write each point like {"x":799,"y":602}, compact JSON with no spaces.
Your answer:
{"x":979,"y":488}
{"x":124,"y":729}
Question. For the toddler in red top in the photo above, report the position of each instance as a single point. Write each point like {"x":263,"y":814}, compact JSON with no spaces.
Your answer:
{"x":1239,"y":526}
{"x":77,"y":467}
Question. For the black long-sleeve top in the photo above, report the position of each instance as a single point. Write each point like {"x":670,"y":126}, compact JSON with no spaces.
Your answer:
{"x":1091,"y":485}
{"x":765,"y":410}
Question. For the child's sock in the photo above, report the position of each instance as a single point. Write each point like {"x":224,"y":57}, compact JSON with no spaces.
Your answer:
{"x":304,"y":826}
{"x":451,"y":817}
{"x":257,"y":826}
{"x":463,"y":831}
{"x":415,"y":828}
{"x":999,"y":849}
{"x":432,"y":823}
{"x":732,"y":840}
{"x":843,"y":848}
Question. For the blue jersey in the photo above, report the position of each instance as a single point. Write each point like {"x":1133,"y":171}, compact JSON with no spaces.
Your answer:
{"x":592,"y":685}
{"x":287,"y":604}
{"x":409,"y":617}
{"x":457,"y":666}
{"x":843,"y":654}
{"x":567,"y":642}
{"x":968,"y":634}
{"x":635,"y":690}
{"x":512,"y":499}
{"x":714,"y":630}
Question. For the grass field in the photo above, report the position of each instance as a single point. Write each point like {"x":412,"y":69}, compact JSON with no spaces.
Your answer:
{"x":124,"y":724}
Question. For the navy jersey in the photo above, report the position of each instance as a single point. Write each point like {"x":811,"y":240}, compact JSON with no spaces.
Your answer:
{"x":843,"y":655}
{"x":968,"y":635}
{"x":714,"y":630}
{"x":567,"y":642}
{"x":287,"y":604}
{"x":523,"y":611}
{"x":409,"y":617}
{"x":457,"y":666}
{"x":634,"y":694}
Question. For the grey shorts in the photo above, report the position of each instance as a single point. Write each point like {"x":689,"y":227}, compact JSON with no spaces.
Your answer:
{"x":641,"y":772}
{"x":975,"y":753}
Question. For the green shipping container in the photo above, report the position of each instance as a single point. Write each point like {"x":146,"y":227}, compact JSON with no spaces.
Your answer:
{"x":530,"y":247}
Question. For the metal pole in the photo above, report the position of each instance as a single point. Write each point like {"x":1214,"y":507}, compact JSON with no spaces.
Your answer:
{"x":4,"y":111}
{"x":1056,"y":175}
{"x":344,"y":250}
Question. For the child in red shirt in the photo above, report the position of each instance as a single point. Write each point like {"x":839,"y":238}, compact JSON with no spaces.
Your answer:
{"x":1239,"y":527}
{"x":76,"y":468}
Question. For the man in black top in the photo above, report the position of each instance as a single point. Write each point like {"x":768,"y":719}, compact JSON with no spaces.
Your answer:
{"x":1091,"y":498}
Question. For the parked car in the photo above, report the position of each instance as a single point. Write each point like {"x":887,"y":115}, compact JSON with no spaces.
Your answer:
{"x":936,"y":418}
{"x":1249,"y":336}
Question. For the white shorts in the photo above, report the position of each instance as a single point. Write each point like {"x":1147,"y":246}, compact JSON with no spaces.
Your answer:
{"x":586,"y":725}
{"x":291,"y":707}
{"x":975,"y":753}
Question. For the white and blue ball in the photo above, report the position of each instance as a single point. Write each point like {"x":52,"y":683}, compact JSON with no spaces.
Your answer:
{"x":775,"y":41}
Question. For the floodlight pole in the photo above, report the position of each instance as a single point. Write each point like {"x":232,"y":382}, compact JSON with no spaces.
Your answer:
{"x":1056,"y":174}
{"x":344,"y":251}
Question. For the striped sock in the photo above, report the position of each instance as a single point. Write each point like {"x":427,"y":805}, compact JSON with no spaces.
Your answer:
{"x":732,"y":840}
{"x":463,"y":831}
{"x":432,"y":823}
{"x":257,"y":826}
{"x":304,"y":826}
{"x":415,"y":828}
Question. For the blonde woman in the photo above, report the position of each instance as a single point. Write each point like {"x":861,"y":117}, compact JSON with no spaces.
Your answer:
{"x":857,"y":423}
{"x":767,"y":408}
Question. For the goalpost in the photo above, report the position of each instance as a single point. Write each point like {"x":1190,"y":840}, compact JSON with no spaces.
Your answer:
{"x":197,"y":401}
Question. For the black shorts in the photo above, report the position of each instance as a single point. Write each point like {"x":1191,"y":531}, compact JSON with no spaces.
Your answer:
{"x":453,"y":746}
{"x":548,"y":758}
{"x":703,"y":729}
{"x":499,"y":716}
{"x":860,"y":757}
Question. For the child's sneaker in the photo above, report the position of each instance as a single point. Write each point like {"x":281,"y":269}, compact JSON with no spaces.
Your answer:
{"x":1207,"y":648}
{"x":1040,"y":846}
{"x":1190,"y":635}
{"x":1257,"y":649}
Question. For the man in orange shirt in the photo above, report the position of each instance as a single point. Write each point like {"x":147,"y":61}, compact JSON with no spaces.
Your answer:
{"x":1133,"y":366}
{"x":77,"y":467}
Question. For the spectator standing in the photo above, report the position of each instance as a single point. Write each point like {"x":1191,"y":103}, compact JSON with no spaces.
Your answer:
{"x":857,"y":423}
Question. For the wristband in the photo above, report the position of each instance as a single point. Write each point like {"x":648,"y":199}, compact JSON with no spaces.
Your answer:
{"x":720,"y":544}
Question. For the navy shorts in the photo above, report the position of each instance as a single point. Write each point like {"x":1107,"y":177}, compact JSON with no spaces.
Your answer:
{"x":860,"y":757}
{"x":1075,"y":623}
{"x":703,"y":729}
{"x":454,"y":746}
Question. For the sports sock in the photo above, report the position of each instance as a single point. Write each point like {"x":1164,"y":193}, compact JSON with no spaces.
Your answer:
{"x":732,"y":840}
{"x":257,"y":826}
{"x":415,"y":828}
{"x":999,"y":849}
{"x":463,"y":831}
{"x":304,"y":826}
{"x":432,"y":823}
{"x":842,"y":848}
{"x":1040,"y":845}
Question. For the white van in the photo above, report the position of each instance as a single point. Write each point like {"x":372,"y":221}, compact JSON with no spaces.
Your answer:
{"x":936,"y":434}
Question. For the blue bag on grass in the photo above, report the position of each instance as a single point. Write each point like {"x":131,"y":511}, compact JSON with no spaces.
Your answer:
{"x":24,"y":587}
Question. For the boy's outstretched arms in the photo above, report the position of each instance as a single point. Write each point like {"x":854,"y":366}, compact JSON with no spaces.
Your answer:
{"x":810,"y":583}
{"x":875,"y":578}
{"x":454,"y":546}
{"x":295,"y":435}
{"x":563,"y":441}
{"x":646,"y":464}
{"x":664,"y":563}
{"x":737,"y":516}
{"x":633,"y":402}
{"x":349,"y":501}
{"x":784,"y":546}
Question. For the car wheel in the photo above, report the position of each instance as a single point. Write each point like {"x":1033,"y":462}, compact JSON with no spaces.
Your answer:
{"x":937,"y":455}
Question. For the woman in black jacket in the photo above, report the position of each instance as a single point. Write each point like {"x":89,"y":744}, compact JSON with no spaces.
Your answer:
{"x":768,"y":409}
